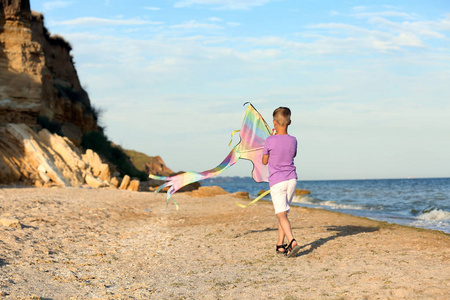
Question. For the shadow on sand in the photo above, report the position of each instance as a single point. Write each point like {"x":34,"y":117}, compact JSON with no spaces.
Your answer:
{"x":341,"y":231}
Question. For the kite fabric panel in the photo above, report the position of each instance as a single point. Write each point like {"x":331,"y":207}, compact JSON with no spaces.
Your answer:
{"x":253,"y":133}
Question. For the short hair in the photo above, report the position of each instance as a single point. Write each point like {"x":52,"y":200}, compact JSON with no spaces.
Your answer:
{"x":282,"y":115}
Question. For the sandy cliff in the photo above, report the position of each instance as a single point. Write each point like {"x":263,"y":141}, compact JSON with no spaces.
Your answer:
{"x":40,"y":88}
{"x":38,"y":80}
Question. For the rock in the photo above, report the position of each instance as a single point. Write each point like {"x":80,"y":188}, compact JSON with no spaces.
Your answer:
{"x":42,"y":173}
{"x":38,"y":78}
{"x":8,"y":221}
{"x":72,"y":132}
{"x":208,"y":191}
{"x":261,"y":192}
{"x":21,"y":65}
{"x":134,"y":185}
{"x":44,"y":159}
{"x":37,"y":153}
{"x":93,"y":181}
{"x":156,"y":166}
{"x":93,"y":160}
{"x":190,"y":187}
{"x":99,"y":169}
{"x":10,"y":150}
{"x":15,"y":9}
{"x":115,"y":182}
{"x":40,"y":88}
{"x":125,"y":183}
{"x":104,"y":173}
{"x":300,"y":192}
{"x":73,"y":166}
{"x":243,"y":195}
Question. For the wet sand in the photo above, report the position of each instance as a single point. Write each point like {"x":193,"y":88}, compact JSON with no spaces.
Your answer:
{"x":78,"y":243}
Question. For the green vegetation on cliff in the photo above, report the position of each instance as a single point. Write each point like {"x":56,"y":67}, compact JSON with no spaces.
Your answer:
{"x":99,"y":143}
{"x":137,"y":158}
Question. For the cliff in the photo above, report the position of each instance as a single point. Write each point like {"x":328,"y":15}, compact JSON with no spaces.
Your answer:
{"x":47,"y":159}
{"x":40,"y":90}
{"x":39,"y":84}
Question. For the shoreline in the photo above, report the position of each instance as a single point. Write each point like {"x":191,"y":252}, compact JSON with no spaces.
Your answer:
{"x":426,"y":211}
{"x":106,"y":244}
{"x":390,"y":219}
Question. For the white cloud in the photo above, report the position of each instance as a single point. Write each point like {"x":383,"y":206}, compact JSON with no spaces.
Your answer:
{"x":152,"y":8}
{"x":224,"y":4}
{"x":355,"y":89}
{"x":233,"y":24}
{"x":196,"y":25}
{"x":47,"y":6}
{"x":424,"y":29}
{"x":360,"y":8}
{"x":379,"y":34}
{"x":383,"y":14}
{"x":215,"y":19}
{"x":92,"y":21}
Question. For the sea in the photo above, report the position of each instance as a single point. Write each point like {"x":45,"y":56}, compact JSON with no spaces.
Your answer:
{"x":417,"y":202}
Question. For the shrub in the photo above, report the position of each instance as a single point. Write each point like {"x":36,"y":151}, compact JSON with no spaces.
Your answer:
{"x":96,"y":113}
{"x":99,"y":143}
{"x":69,"y":93}
{"x":52,"y":126}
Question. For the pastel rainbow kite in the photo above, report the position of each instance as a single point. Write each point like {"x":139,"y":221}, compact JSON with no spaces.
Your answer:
{"x":253,"y":134}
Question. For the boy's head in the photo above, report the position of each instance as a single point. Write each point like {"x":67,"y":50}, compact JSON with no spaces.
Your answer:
{"x":282,"y":115}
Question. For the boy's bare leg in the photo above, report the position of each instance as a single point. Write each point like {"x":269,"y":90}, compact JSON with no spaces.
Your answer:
{"x":285,"y":226}
{"x":281,"y":235}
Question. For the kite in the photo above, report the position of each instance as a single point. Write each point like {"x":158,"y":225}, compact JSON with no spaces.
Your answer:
{"x":253,"y":134}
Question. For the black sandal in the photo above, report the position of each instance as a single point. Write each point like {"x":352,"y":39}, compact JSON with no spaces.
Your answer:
{"x":281,"y":247}
{"x":292,"y":252}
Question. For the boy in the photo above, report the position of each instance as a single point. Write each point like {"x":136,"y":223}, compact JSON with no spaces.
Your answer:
{"x":279,"y":152}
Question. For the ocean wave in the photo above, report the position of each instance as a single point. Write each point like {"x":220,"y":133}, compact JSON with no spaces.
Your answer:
{"x":435,"y":215}
{"x":328,"y":204}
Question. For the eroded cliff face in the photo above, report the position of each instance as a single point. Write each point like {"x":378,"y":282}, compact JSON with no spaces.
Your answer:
{"x":38,"y":80}
{"x":21,"y":64}
{"x":39,"y":86}
{"x":47,"y":159}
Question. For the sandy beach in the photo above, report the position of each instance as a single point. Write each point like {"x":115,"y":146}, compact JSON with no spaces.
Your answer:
{"x":79,"y":243}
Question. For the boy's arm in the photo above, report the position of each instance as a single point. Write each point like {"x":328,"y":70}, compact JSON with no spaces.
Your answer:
{"x":266,"y":152}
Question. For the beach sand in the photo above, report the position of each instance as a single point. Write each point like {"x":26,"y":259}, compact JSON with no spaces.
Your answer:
{"x":78,"y":243}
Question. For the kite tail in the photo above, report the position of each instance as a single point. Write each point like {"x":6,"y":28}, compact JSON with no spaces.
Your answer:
{"x":168,"y":183}
{"x":158,"y":177}
{"x":176,"y":182}
{"x":169,"y":196}
{"x":253,"y":133}
{"x":254,"y":201}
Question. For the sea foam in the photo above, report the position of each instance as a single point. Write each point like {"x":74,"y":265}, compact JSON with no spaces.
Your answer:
{"x":328,"y":204}
{"x":435,"y":215}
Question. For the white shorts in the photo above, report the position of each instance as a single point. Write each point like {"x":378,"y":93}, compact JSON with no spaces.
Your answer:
{"x":282,"y":194}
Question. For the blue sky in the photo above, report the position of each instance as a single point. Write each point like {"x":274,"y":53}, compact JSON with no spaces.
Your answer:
{"x":367,"y":81}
